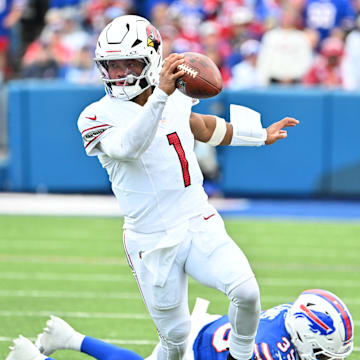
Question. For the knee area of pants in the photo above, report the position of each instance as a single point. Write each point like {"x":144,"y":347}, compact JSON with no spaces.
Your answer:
{"x":177,"y":334}
{"x":246,"y":296}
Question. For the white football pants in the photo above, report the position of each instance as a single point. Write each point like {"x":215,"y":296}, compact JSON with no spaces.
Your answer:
{"x":202,"y":249}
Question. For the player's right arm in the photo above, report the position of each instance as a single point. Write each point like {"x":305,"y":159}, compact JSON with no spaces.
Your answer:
{"x":130,"y":142}
{"x":102,"y":136}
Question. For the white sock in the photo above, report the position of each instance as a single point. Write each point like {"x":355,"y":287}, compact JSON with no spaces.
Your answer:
{"x":41,"y":357}
{"x":74,"y":343}
{"x":244,"y":312}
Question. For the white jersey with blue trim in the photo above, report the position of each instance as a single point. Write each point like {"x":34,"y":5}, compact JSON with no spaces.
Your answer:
{"x":272,"y":341}
{"x":163,"y":186}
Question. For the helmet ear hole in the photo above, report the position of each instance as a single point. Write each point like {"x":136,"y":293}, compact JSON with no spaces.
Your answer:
{"x":299,"y":337}
{"x":143,"y":83}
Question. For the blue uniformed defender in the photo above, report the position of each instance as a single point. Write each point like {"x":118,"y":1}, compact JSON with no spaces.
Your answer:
{"x":272,"y":339}
{"x":317,"y":326}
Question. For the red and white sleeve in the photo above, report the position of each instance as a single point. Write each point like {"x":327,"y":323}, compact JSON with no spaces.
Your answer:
{"x":92,"y":130}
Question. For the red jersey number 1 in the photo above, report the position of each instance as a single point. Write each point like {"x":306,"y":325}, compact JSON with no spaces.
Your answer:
{"x":173,"y":139}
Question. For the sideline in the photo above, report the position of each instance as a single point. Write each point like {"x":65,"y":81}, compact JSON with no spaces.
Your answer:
{"x":106,"y":205}
{"x":82,"y":205}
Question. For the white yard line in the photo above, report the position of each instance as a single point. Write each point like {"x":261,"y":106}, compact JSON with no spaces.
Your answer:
{"x":125,"y":296}
{"x":66,"y":277}
{"x":298,"y":253}
{"x":319,"y":267}
{"x":111,"y":261}
{"x":75,"y":260}
{"x":84,"y":315}
{"x":305,"y":282}
{"x":75,"y":314}
{"x":69,"y":294}
{"x":43,"y":245}
{"x":123,"y":278}
{"x":113,"y":341}
{"x":122,"y":341}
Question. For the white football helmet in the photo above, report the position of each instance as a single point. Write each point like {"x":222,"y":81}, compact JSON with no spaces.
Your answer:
{"x":320,"y":326}
{"x":129,"y":37}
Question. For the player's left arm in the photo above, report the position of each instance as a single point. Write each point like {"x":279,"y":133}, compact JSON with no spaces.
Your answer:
{"x":216,"y":131}
{"x":203,"y":127}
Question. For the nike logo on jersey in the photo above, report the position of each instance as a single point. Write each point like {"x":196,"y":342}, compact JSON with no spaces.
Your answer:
{"x":91,"y":118}
{"x":208,"y":217}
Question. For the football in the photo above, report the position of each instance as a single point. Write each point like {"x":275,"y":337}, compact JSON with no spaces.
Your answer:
{"x":202,"y":78}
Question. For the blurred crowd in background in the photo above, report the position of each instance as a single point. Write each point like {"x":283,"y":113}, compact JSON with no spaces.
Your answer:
{"x":255,"y":43}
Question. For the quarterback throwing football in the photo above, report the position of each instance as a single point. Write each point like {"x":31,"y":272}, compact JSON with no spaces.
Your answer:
{"x":143,"y":132}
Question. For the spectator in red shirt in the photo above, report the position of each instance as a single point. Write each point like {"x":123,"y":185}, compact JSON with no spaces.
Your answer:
{"x":52,"y":39}
{"x":326,"y":69}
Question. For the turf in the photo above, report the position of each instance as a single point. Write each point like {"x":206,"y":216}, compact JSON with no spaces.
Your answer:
{"x":76,"y":268}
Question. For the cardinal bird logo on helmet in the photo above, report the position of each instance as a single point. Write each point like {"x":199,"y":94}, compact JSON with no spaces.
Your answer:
{"x":153,"y":37}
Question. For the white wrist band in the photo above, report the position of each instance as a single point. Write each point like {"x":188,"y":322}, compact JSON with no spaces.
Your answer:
{"x":219,"y":132}
{"x":247,"y":128}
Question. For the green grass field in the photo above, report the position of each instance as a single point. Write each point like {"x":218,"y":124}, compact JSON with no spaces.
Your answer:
{"x":75,"y":268}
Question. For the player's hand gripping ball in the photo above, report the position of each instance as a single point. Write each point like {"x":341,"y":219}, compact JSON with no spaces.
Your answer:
{"x":202,"y":78}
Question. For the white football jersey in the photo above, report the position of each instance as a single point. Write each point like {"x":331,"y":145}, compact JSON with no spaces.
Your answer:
{"x":163,"y":187}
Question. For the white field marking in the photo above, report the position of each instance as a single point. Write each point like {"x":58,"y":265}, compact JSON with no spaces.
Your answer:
{"x":285,"y":299}
{"x":282,"y":242}
{"x":346,"y":268}
{"x":75,"y":314}
{"x":113,"y":341}
{"x":48,"y":244}
{"x":291,"y":252}
{"x":7,"y":245}
{"x":128,"y":296}
{"x":102,"y":261}
{"x":308,"y":282}
{"x":332,"y":251}
{"x":128,"y":278}
{"x":66,"y":277}
{"x":298,"y":253}
{"x":69,"y":294}
{"x":85,"y":315}
{"x":123,"y":342}
{"x":75,"y":260}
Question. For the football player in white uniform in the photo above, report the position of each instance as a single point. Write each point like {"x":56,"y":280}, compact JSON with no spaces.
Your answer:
{"x":318,"y":326}
{"x":143,"y":132}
